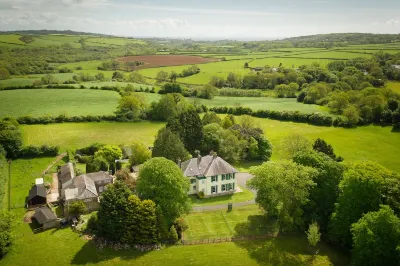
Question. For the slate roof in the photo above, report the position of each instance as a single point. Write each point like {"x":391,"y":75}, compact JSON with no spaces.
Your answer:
{"x":99,"y":176}
{"x":80,"y":187}
{"x":44,"y":214}
{"x":37,"y":190}
{"x":67,"y":172}
{"x":207,"y":166}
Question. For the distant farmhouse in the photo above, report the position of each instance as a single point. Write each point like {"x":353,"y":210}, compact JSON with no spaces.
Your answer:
{"x":87,"y":187}
{"x":211,"y":175}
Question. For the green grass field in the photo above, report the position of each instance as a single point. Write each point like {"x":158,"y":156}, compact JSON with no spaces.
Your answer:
{"x":11,"y":39}
{"x":394,"y":86}
{"x":246,"y":195}
{"x":113,"y":41}
{"x":71,"y":102}
{"x":23,"y":175}
{"x":243,"y":221}
{"x":363,"y":143}
{"x":78,"y":135}
{"x":29,"y":79}
{"x":65,"y":247}
{"x":262,"y":103}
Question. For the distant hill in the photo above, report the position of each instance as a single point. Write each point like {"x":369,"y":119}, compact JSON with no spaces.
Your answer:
{"x":342,"y":39}
{"x":46,"y":32}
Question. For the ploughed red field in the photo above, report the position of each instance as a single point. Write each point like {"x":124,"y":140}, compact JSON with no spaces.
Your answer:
{"x":166,"y":60}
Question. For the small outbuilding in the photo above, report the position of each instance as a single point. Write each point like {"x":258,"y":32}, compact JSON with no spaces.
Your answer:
{"x":45,"y":217}
{"x":37,"y":195}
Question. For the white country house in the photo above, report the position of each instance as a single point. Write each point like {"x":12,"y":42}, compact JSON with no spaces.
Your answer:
{"x":211,"y":175}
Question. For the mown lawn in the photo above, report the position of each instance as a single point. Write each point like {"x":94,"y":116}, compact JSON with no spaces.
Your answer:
{"x":243,"y":221}
{"x":23,"y":175}
{"x":71,"y":102}
{"x":394,"y":86}
{"x":246,"y":195}
{"x":65,"y":247}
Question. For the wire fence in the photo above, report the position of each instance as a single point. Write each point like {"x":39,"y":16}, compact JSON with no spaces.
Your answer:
{"x":227,"y":239}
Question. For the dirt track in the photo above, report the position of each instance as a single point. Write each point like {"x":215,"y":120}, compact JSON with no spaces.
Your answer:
{"x":166,"y":60}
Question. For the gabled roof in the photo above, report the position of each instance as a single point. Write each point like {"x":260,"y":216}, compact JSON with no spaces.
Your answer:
{"x":67,"y":172}
{"x":44,"y":214}
{"x":80,"y":187}
{"x":99,"y":176}
{"x":207,"y":166}
{"x":37,"y":190}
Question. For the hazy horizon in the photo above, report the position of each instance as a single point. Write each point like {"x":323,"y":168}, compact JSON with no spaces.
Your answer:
{"x":205,"y":20}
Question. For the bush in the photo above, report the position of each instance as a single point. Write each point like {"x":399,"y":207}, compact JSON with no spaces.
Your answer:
{"x":173,"y":236}
{"x":180,"y":226}
{"x":39,"y":151}
{"x":200,"y":195}
{"x":92,"y":223}
{"x":77,"y":208}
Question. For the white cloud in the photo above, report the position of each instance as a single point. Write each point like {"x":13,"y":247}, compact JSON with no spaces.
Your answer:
{"x":159,"y":23}
{"x":393,"y":22}
{"x":193,"y":10}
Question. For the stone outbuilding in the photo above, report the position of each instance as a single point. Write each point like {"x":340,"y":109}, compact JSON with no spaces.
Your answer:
{"x":45,"y":217}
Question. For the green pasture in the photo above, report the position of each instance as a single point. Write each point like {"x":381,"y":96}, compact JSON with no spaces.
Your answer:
{"x":246,"y":195}
{"x":85,"y":65}
{"x":206,"y":71}
{"x":373,"y":143}
{"x":11,"y":39}
{"x":288,"y":62}
{"x":71,"y":102}
{"x":113,"y":41}
{"x":394,"y":86}
{"x":330,"y":54}
{"x":78,"y":135}
{"x":29,"y":79}
{"x":261,"y":103}
{"x":66,"y":247}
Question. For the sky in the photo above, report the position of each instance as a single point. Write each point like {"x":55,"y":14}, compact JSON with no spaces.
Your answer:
{"x":205,"y":19}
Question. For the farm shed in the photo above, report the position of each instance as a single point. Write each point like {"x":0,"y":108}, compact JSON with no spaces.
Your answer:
{"x":37,"y":195}
{"x":45,"y":217}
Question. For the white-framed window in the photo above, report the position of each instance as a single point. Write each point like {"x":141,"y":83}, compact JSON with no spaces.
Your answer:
{"x":214,"y":178}
{"x":194,"y":187}
{"x":192,"y":181}
{"x":223,"y":188}
{"x":214,"y":189}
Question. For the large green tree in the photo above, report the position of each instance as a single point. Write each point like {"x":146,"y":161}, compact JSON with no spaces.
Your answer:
{"x":141,"y":222}
{"x":324,"y":195}
{"x":189,"y":128}
{"x":282,"y":189}
{"x":170,"y":146}
{"x":109,"y":152}
{"x":376,"y":238}
{"x":163,"y":182}
{"x":361,"y":191}
{"x":293,"y":143}
{"x":131,"y":107}
{"x":10,"y":138}
{"x":140,"y":153}
{"x":112,"y":214}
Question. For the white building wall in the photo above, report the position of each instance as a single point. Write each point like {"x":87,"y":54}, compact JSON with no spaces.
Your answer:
{"x":219,"y":183}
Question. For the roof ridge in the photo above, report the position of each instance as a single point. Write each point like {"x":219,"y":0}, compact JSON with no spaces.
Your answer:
{"x":209,"y":165}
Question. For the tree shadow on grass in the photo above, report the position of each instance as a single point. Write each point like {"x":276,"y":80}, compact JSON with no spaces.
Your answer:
{"x":282,"y":250}
{"x":90,"y":254}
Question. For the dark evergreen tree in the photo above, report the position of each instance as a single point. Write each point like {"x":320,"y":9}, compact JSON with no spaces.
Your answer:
{"x":320,"y":145}
{"x":189,"y":128}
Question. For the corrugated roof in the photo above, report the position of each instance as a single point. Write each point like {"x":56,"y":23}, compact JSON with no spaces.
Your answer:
{"x":207,"y":166}
{"x":44,"y":214}
{"x":37,"y":190}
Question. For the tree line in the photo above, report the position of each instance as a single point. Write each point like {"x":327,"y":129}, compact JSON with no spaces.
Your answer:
{"x":352,"y":204}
